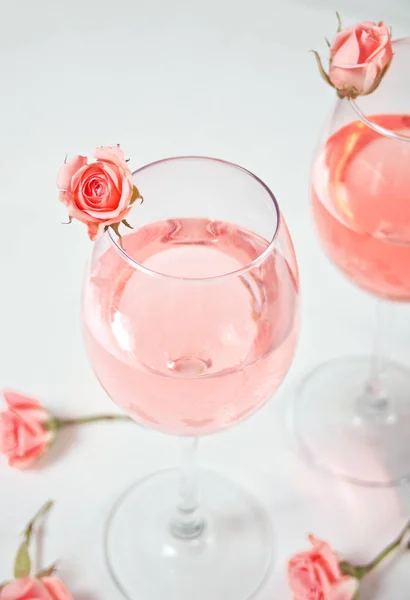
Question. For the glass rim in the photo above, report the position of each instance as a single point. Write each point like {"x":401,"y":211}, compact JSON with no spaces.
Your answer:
{"x":236,"y":272}
{"x":378,"y":128}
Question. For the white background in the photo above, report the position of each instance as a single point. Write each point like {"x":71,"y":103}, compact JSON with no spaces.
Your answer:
{"x":229,"y":78}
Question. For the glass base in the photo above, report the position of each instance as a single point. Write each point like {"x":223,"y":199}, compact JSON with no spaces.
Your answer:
{"x":343,"y":429}
{"x":228,"y":561}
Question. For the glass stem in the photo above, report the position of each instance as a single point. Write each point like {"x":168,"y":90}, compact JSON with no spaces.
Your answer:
{"x":374,"y":401}
{"x":188,"y":522}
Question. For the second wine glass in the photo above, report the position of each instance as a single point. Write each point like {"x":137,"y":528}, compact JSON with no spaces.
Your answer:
{"x":352,"y":415}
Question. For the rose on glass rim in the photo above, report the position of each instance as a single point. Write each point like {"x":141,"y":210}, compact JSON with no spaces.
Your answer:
{"x":359,"y":58}
{"x":99,"y":194}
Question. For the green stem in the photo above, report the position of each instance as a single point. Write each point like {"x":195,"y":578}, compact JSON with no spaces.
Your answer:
{"x":382,"y":555}
{"x":339,"y":22}
{"x":40,"y":513}
{"x":90,"y":419}
{"x":22,"y":562}
{"x":47,"y":572}
{"x":360,"y":571}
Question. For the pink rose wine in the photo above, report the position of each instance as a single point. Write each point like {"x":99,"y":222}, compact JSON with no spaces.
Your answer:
{"x":183,"y":356}
{"x":361,"y":205}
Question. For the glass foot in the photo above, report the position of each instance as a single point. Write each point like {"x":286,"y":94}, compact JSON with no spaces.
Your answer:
{"x":341,"y":432}
{"x":228,"y":561}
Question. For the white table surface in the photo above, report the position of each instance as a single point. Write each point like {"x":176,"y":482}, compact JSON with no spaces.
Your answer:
{"x":229,"y":78}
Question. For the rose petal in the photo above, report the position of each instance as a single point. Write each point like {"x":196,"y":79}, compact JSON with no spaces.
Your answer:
{"x":27,"y":410}
{"x":113,"y":154}
{"x":20,"y":401}
{"x":102,"y":213}
{"x":56,"y":588}
{"x":79,"y":175}
{"x":325,"y":551}
{"x":8,"y":432}
{"x":95,"y":230}
{"x":65,"y":198}
{"x":384,"y":41}
{"x":368,"y":43}
{"x":113,"y":172}
{"x":24,"y":461}
{"x":28,"y":439}
{"x":80,"y":215}
{"x":371,"y":75}
{"x":25,"y":589}
{"x":123,"y":215}
{"x":348,"y":53}
{"x":90,"y":197}
{"x":302,"y":576}
{"x":340,"y":39}
{"x":126,"y":195}
{"x":68,"y":170}
{"x":344,"y":590}
{"x":33,"y":418}
{"x":122,"y":204}
{"x":378,"y":56}
{"x":92,"y":179}
{"x":350,"y":77}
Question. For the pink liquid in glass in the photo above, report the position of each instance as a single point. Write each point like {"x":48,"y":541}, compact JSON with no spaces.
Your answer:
{"x":191,"y":357}
{"x":361,"y":205}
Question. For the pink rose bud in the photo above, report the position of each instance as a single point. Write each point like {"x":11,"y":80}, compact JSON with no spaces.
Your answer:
{"x":24,"y":435}
{"x":359,"y":58}
{"x":99,"y":194}
{"x":44,"y":585}
{"x":28,"y":588}
{"x":316,"y":574}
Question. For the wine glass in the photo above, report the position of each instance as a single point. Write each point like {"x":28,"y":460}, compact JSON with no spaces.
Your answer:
{"x":352,"y":415}
{"x":190,"y":324}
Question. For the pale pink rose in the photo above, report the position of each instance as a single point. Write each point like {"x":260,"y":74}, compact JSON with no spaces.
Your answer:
{"x":359,"y":57}
{"x":48,"y":588}
{"x":316,"y":575}
{"x":99,"y":193}
{"x":23,"y":435}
